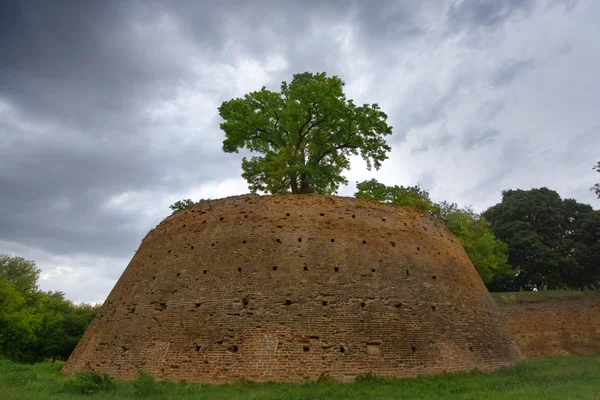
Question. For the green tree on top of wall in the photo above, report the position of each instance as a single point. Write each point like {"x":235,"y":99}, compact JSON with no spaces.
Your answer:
{"x":303,"y":135}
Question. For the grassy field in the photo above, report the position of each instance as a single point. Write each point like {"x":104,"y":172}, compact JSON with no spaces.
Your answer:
{"x":545,"y":378}
{"x":544,"y":296}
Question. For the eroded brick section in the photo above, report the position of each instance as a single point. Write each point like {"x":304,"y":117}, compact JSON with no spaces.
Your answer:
{"x":561,"y":328}
{"x":289,"y":288}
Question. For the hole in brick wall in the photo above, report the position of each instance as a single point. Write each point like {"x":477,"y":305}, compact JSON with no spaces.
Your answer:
{"x":405,"y":224}
{"x":192,"y":247}
{"x":198,"y":305}
{"x":183,"y":226}
{"x":399,"y":305}
{"x":305,"y":349}
{"x":324,"y":303}
{"x":305,"y":268}
{"x":245,"y":301}
{"x":373,"y":348}
{"x":393,"y":244}
{"x":239,"y":269}
{"x":372,"y":269}
{"x":233,"y":348}
{"x":179,"y":274}
{"x":433,"y":308}
{"x":425,"y":228}
{"x":364,"y":242}
{"x":332,"y":240}
{"x":154,"y":278}
{"x":274,"y":268}
{"x":124,"y":348}
{"x":243,"y":242}
{"x":353,"y":216}
{"x":471,"y":348}
{"x":342,"y":349}
{"x":205,"y":271}
{"x":407,"y":273}
{"x":322,"y":214}
{"x":299,"y":240}
{"x":413,"y":348}
{"x":278,"y":240}
{"x":418,"y":248}
{"x":288,"y":302}
{"x":221,"y":219}
{"x":169,"y":251}
{"x":287,"y":214}
{"x":362,"y":304}
{"x":383,"y":219}
{"x":198,"y":347}
{"x":212,"y":245}
{"x":433,"y":277}
{"x":336,"y":269}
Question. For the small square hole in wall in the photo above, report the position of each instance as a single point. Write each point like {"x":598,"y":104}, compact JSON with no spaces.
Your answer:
{"x":299,"y":239}
{"x":243,"y":242}
{"x":364,"y":242}
{"x":305,"y":268}
{"x":198,"y":347}
{"x":221,"y":219}
{"x":362,"y":304}
{"x":471,"y":348}
{"x":342,"y":349}
{"x":433,"y":308}
{"x":205,"y":271}
{"x":399,"y":305}
{"x":373,"y":348}
{"x":239,"y":269}
{"x":305,"y":349}
{"x":433,"y":277}
{"x":287,"y":214}
{"x":336,"y":269}
{"x":332,"y":240}
{"x":353,"y":216}
{"x":274,"y":268}
{"x":278,"y":240}
{"x":372,"y":269}
{"x":324,"y":303}
{"x":414,"y":349}
{"x":288,"y":302}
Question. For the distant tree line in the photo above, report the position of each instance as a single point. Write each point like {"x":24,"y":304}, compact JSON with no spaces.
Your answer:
{"x":36,"y":325}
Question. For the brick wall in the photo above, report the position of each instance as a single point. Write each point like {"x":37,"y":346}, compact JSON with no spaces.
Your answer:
{"x":290,"y":288}
{"x":556,"y":328}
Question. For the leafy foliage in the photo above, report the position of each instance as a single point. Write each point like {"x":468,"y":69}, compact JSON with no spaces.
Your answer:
{"x":35,"y":325}
{"x":181,"y":205}
{"x":90,"y":382}
{"x":554,"y":243}
{"x":304,"y":134}
{"x":487,"y":253}
{"x":596,"y":187}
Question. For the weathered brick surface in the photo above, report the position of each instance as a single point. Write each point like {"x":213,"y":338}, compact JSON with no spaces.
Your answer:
{"x":559,"y":328}
{"x":289,"y":288}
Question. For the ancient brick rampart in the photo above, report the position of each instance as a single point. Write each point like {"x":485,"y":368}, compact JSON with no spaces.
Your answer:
{"x":290,"y":288}
{"x":569,"y":326}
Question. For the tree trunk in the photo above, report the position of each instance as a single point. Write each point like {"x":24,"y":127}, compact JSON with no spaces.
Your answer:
{"x":294,"y":184}
{"x":304,"y":185}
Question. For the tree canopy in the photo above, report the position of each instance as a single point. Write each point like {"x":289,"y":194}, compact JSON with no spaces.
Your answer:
{"x":596,"y":187}
{"x":34,"y":324}
{"x":304,"y":135}
{"x":554,"y":243}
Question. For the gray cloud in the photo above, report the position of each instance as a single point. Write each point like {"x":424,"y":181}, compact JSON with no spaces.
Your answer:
{"x":510,"y":72}
{"x":474,"y":138}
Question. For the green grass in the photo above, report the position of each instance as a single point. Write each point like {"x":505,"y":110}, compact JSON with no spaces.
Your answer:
{"x":544,"y":296}
{"x":544,"y":378}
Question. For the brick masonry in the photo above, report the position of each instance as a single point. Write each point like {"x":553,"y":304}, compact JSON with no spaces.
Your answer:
{"x":557,"y":328}
{"x":290,"y":288}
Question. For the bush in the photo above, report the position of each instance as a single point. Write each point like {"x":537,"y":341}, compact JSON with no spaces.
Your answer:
{"x":90,"y":382}
{"x":145,"y":385}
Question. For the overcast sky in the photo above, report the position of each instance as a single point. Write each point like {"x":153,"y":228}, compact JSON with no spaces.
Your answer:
{"x":108,"y":109}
